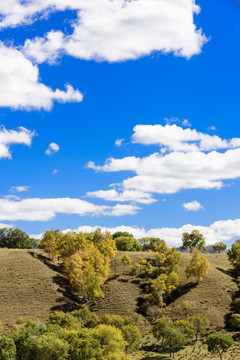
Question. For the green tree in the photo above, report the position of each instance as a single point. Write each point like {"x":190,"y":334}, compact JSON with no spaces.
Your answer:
{"x":132,"y":336}
{"x":234,"y":255}
{"x":161,"y":327}
{"x":200,"y":323}
{"x":7,"y":349}
{"x":193,"y":240}
{"x":83,"y":346}
{"x":150,"y":243}
{"x":198,"y":266}
{"x":219,"y":343}
{"x":16,"y":239}
{"x":219,"y":247}
{"x":49,"y":346}
{"x":110,"y":339}
{"x":121,"y":233}
{"x":235,"y":321}
{"x":175,"y":340}
{"x":170,"y":336}
{"x":127,"y":243}
{"x":86,"y":317}
{"x":186,"y":328}
{"x":125,"y":260}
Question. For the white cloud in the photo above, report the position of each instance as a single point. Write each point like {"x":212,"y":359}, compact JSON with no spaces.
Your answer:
{"x":115,"y":30}
{"x":213,"y":128}
{"x":170,"y":173}
{"x":12,"y":197}
{"x":52,"y":148}
{"x":121,"y":210}
{"x":186,"y":123}
{"x":175,"y":138}
{"x":129,"y":195}
{"x":223,"y":230}
{"x":20,"y":87}
{"x":192,"y":206}
{"x":10,"y":137}
{"x":119,"y":142}
{"x":18,"y":12}
{"x":190,"y":163}
{"x":19,"y":188}
{"x":36,"y":209}
{"x":55,"y":171}
{"x":176,"y":120}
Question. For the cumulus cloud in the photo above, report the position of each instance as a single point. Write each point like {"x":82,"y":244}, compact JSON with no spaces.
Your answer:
{"x":129,"y":195}
{"x":192,"y":206}
{"x":170,"y":173}
{"x":36,"y":209}
{"x":190,"y":161}
{"x":10,"y":137}
{"x":19,"y":188}
{"x":175,"y":138}
{"x":115,"y":30}
{"x":20,"y":87}
{"x":222,"y":230}
{"x":52,"y":149}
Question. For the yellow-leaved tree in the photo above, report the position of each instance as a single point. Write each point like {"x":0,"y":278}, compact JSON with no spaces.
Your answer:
{"x":87,"y":272}
{"x":198,"y":266}
{"x":162,"y":287}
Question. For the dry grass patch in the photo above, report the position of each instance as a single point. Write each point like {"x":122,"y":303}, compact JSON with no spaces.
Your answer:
{"x":28,"y":288}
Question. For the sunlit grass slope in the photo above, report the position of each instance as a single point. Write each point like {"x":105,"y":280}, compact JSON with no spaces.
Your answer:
{"x":28,"y":288}
{"x":33,"y":287}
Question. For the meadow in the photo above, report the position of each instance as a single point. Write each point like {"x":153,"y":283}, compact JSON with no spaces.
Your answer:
{"x":33,"y":287}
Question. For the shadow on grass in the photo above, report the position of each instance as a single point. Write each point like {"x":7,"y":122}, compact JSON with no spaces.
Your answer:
{"x":156,"y":357}
{"x":235,"y":295}
{"x":176,"y":294}
{"x":68,"y":300}
{"x":231,"y":273}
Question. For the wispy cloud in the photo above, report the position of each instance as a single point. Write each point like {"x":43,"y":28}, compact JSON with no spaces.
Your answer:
{"x":19,"y":188}
{"x":119,"y":142}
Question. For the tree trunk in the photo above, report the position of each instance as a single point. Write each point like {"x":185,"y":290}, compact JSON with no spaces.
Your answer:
{"x":220,"y":354}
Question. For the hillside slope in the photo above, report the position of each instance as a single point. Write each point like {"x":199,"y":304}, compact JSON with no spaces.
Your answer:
{"x":28,"y":288}
{"x":33,"y":287}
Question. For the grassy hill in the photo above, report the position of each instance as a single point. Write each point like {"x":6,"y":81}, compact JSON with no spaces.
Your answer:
{"x":212,"y":298}
{"x":34,"y":287}
{"x":29,"y":288}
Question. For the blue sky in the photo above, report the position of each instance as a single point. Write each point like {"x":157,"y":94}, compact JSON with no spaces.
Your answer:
{"x":159,"y":70}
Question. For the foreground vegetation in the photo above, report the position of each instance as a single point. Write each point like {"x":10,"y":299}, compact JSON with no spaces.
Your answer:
{"x":164,"y":293}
